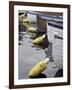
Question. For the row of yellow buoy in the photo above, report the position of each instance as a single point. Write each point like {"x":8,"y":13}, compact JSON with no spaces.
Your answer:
{"x":42,"y":65}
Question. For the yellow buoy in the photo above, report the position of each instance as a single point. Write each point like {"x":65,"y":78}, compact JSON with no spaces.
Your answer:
{"x":25,"y":21}
{"x":31,"y":29}
{"x":39,"y":39}
{"x":40,"y":67}
{"x":26,"y":24}
{"x":22,"y":17}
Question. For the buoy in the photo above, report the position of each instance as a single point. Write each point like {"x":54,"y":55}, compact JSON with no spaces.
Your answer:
{"x":21,"y":17}
{"x":26,"y":24}
{"x":31,"y":29}
{"x":39,"y":39}
{"x":40,"y":67}
{"x":25,"y":21}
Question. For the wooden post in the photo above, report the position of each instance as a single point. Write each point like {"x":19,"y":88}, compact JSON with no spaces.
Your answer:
{"x":41,"y":24}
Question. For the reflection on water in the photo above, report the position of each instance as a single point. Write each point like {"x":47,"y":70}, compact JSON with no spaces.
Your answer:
{"x":39,"y":76}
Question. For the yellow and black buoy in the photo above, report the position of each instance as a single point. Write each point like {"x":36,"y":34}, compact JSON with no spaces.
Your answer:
{"x":38,"y":68}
